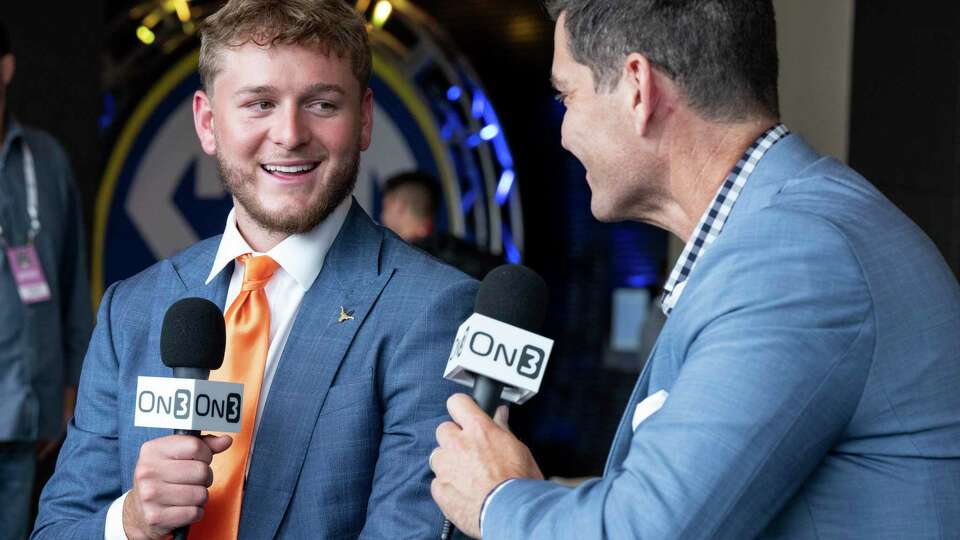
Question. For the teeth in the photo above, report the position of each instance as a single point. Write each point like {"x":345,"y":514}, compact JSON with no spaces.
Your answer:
{"x":293,"y":169}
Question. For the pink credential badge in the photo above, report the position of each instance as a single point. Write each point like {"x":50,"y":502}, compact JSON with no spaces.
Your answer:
{"x":28,"y":273}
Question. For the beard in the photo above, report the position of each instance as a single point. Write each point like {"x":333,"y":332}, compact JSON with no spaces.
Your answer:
{"x":338,"y":186}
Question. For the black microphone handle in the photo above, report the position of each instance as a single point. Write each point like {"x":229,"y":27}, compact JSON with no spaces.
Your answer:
{"x":181,"y":533}
{"x":486,"y":392}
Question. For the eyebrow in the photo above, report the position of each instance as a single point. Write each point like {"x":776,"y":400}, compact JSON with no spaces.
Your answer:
{"x":314,"y":89}
{"x":557,"y":83}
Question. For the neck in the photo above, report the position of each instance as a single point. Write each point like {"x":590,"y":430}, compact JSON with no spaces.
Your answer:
{"x":700,"y":155}
{"x":260,"y":239}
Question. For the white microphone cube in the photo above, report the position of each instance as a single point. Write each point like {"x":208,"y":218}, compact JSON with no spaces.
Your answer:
{"x":190,"y":404}
{"x":507,"y":354}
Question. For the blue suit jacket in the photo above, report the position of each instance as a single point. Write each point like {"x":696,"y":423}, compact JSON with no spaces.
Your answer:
{"x":813,"y":374}
{"x":349,"y":421}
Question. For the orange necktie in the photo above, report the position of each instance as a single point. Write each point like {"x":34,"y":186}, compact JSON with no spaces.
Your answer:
{"x":248,"y":339}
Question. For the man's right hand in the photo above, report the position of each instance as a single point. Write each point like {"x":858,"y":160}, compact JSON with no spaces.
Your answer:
{"x":170,"y":484}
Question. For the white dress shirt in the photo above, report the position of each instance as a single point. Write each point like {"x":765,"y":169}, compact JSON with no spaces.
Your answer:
{"x":300,"y":257}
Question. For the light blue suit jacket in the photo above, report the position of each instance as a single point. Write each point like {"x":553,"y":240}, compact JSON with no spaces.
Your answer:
{"x":349,"y":421}
{"x":813,"y":371}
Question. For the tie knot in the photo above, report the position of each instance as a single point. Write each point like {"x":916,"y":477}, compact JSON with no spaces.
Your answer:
{"x":257,"y":271}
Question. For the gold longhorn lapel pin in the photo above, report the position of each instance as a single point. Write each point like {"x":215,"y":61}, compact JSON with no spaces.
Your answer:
{"x":344,"y":315}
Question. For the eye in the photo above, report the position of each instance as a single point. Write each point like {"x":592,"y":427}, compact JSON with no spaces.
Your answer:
{"x":560,"y":98}
{"x":260,"y":106}
{"x":322,"y":106}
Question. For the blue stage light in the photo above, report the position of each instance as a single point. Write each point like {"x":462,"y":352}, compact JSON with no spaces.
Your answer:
{"x":468,"y":200}
{"x":509,"y":248}
{"x":505,"y":185}
{"x":479,"y":103}
{"x":489,"y":132}
{"x":454,"y":93}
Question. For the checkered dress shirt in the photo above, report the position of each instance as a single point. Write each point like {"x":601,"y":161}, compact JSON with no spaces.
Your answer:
{"x":712,"y":221}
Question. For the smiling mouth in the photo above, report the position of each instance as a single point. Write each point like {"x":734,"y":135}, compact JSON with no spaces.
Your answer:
{"x":290,"y":171}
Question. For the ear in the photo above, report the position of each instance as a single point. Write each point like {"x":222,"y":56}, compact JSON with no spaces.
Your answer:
{"x":203,"y":121}
{"x":366,"y":119}
{"x":8,"y":65}
{"x":644,"y":91}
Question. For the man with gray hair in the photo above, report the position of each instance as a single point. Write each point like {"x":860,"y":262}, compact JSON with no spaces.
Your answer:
{"x":804,"y":385}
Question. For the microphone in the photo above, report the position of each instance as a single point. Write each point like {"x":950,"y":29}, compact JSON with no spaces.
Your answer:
{"x":192,"y":342}
{"x":497,"y":350}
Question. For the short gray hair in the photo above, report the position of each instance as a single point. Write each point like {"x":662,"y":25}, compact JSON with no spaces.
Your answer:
{"x":721,"y":53}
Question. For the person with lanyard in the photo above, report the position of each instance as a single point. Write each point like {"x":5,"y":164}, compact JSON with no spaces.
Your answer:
{"x":804,"y":384}
{"x":45,"y":311}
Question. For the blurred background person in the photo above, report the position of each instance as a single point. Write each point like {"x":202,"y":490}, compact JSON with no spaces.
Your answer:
{"x":410,"y":203}
{"x":45,"y":313}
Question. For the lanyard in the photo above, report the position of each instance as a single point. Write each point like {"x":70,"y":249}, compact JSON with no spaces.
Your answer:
{"x":30,"y":175}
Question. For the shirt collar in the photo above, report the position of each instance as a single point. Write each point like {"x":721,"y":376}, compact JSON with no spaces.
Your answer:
{"x":300,"y":255}
{"x":715,"y":216}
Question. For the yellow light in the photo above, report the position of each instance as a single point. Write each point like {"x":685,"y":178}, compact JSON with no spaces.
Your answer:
{"x":381,"y":12}
{"x":145,"y":35}
{"x":183,"y":10}
{"x":151,"y":20}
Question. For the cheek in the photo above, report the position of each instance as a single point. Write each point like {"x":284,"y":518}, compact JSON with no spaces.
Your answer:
{"x":238,"y":139}
{"x":340,"y":136}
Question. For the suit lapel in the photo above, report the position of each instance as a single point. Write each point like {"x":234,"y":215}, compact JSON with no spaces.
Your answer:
{"x":193,"y":267}
{"x":184,"y":278}
{"x":318,"y":341}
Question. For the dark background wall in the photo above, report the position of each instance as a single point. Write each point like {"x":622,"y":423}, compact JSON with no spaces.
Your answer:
{"x":905,"y":109}
{"x":57,"y":82}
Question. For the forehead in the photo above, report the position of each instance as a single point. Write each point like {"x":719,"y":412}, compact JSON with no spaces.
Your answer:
{"x":283,"y":65}
{"x":566,"y":71}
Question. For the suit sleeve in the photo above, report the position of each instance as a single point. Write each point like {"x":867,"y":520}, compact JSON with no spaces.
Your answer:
{"x":74,"y":502}
{"x":414,"y":395}
{"x":769,"y":381}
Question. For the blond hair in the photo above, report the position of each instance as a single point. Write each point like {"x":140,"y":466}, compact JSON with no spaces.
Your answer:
{"x":331,"y":25}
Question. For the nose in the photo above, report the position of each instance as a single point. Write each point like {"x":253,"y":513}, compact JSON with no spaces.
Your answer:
{"x":564,"y":127}
{"x":290,"y":130}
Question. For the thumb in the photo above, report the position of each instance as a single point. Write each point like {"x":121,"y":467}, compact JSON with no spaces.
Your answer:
{"x":218,"y":443}
{"x":502,"y":416}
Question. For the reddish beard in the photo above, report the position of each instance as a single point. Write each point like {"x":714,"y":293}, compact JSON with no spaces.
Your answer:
{"x":338,"y":186}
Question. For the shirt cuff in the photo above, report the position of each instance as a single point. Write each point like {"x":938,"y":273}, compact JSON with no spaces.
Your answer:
{"x":486,"y":501}
{"x":113,"y":528}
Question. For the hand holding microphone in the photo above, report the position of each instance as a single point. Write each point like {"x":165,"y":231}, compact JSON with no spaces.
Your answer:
{"x":173,"y":473}
{"x":475,"y":455}
{"x":497,"y":353}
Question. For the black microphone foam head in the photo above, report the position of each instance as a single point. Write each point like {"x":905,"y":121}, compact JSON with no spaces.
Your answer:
{"x":193,"y":335}
{"x":515,"y":295}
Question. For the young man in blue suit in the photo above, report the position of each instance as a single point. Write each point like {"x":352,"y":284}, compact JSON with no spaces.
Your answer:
{"x":805,"y":383}
{"x":360,"y":324}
